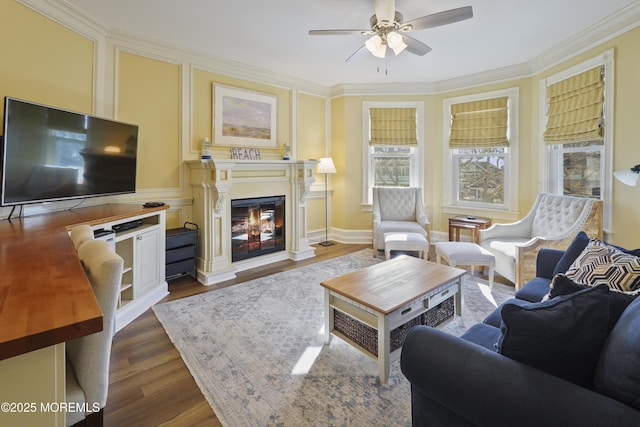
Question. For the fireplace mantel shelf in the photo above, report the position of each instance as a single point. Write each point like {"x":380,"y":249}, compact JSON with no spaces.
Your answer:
{"x":215,"y":182}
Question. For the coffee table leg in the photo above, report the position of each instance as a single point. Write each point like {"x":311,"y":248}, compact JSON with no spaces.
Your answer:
{"x":460,"y":301}
{"x":328,"y":318}
{"x":384,"y":347}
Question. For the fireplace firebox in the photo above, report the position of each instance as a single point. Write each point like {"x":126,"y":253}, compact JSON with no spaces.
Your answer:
{"x":257,"y":227}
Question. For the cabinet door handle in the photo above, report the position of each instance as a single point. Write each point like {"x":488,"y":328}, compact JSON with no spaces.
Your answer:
{"x":138,"y":237}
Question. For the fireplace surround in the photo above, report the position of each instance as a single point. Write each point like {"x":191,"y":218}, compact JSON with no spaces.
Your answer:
{"x":216,"y":182}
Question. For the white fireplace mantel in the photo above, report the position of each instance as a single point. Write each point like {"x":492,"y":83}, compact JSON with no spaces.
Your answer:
{"x":218,"y":181}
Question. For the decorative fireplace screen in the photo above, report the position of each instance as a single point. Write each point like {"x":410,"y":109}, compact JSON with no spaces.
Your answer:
{"x":257,"y":227}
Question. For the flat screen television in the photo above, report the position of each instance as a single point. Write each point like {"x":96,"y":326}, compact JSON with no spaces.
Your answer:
{"x":51,"y":154}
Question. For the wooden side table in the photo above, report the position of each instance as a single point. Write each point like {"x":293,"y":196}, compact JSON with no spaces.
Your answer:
{"x":475,"y":224}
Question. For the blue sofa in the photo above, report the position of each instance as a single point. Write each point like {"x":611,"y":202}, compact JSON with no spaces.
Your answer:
{"x":594,"y":381}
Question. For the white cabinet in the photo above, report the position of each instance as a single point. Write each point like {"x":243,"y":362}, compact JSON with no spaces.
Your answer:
{"x":142,"y":248}
{"x":148,"y":258}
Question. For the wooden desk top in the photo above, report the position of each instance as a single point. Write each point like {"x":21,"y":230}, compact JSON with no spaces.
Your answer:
{"x":389,"y":285}
{"x":45,"y":296}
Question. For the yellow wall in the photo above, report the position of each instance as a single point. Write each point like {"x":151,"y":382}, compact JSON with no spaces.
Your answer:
{"x":203,"y":110}
{"x":44,"y":62}
{"x":312,"y":142}
{"x":149,"y":96}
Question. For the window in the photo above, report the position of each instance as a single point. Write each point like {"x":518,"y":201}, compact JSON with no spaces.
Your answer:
{"x":576,"y":140}
{"x":480,"y":146}
{"x":392,"y":145}
{"x":481,"y":175}
{"x":577,"y":169}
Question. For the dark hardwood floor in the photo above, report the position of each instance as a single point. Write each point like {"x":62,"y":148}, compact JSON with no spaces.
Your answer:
{"x":149,"y":385}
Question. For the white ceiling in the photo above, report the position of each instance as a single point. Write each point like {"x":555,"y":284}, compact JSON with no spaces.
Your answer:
{"x":273,"y":34}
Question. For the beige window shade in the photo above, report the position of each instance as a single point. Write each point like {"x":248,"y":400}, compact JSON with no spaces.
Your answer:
{"x":393,"y":126}
{"x":479,"y":124}
{"x":575,"y":108}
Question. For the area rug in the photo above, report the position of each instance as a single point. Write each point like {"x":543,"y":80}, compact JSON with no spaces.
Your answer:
{"x":256,"y":351}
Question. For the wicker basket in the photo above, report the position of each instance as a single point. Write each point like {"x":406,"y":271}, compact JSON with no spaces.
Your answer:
{"x":367,"y":337}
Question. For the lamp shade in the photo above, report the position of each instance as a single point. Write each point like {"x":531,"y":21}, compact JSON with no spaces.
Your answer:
{"x":376,"y":47}
{"x":628,"y":176}
{"x":395,"y":42}
{"x":326,"y":166}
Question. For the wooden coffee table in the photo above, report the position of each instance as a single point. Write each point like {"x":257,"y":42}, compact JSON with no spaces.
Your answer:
{"x":373,"y":308}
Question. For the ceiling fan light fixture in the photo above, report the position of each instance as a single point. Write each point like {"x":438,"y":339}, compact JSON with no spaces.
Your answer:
{"x":376,"y":47}
{"x":395,"y":42}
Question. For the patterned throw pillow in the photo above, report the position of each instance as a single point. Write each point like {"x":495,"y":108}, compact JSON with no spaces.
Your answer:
{"x":600,"y":263}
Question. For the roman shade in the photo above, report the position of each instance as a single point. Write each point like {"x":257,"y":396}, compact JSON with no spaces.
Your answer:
{"x":393,"y":126}
{"x":575,"y":108}
{"x":479,"y":124}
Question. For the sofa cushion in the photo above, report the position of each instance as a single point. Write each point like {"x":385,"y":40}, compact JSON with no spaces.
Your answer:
{"x":562,"y":336}
{"x":573,"y":251}
{"x":483,"y":334}
{"x":618,"y":301}
{"x":534,"y":290}
{"x":600,"y":263}
{"x":495,"y":318}
{"x":618,"y":371}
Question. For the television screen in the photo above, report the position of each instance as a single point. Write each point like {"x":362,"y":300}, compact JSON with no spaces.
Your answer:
{"x":52,"y":154}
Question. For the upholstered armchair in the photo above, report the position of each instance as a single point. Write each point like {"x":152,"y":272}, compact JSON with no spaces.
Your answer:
{"x":552,"y":222}
{"x":88,"y":357}
{"x":400,"y":210}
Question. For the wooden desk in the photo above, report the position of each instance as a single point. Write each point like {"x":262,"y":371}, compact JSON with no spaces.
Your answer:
{"x":45,"y":300}
{"x":475,"y":224}
{"x":45,"y":296}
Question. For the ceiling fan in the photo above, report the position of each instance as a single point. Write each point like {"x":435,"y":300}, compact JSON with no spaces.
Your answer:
{"x":388,"y":30}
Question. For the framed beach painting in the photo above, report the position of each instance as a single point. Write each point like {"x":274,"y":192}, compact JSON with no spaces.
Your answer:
{"x":244,"y":118}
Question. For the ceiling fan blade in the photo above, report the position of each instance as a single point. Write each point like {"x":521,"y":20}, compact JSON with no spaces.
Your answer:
{"x":416,"y":46}
{"x":337,"y":32}
{"x":440,"y":18}
{"x":385,"y":10}
{"x":357,"y":54}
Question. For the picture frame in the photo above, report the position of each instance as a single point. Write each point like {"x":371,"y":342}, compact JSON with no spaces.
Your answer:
{"x":244,"y":118}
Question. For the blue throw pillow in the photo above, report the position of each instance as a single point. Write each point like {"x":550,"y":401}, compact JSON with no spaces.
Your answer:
{"x":576,"y":247}
{"x":618,"y":301}
{"x":562,"y":336}
{"x":634,"y":252}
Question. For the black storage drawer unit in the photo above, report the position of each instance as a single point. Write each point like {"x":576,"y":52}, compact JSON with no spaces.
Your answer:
{"x":182,"y":251}
{"x":179,"y":254}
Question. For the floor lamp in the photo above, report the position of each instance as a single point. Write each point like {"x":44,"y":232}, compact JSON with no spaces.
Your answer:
{"x":326,"y":167}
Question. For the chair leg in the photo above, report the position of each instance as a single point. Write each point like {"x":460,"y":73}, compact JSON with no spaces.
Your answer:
{"x":491,"y":268}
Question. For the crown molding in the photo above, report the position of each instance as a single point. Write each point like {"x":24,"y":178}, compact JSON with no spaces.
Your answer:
{"x":74,"y":19}
{"x":68,"y":16}
{"x":608,"y":28}
{"x":213,"y":64}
